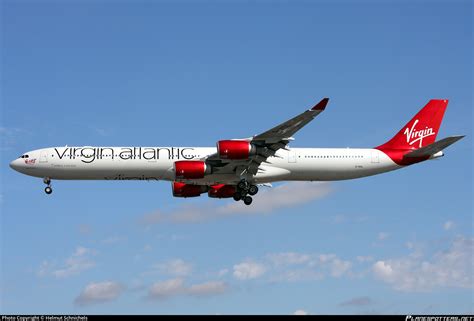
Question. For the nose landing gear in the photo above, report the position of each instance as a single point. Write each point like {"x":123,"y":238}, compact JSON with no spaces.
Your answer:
{"x":48,"y":190}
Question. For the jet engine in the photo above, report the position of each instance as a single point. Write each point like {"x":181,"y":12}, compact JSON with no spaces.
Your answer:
{"x":235,"y":149}
{"x":221,"y":191}
{"x":187,"y":190}
{"x":191,"y":169}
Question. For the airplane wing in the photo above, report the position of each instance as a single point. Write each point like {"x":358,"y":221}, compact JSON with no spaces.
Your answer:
{"x":266,"y":144}
{"x":290,"y":127}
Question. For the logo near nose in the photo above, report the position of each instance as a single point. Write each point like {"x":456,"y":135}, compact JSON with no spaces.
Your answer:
{"x":30,"y":161}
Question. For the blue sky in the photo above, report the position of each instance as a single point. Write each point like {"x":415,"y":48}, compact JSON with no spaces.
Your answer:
{"x":190,"y":73}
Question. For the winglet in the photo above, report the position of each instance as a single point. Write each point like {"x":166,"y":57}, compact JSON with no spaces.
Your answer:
{"x":321,"y":105}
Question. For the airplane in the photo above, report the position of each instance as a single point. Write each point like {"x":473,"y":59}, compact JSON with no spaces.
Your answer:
{"x":235,"y":168}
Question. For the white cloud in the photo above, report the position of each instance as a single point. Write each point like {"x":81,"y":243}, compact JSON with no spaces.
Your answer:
{"x":330,"y":263}
{"x":416,"y":249}
{"x":248,"y":270}
{"x":296,"y":275}
{"x":208,"y":288}
{"x":75,"y":264}
{"x":176,"y":267}
{"x":300,"y":312}
{"x":293,"y":267}
{"x":78,"y":262}
{"x":81,"y":251}
{"x":383,"y":270}
{"x":266,"y":201}
{"x":323,"y":258}
{"x":287,"y":195}
{"x":99,"y":293}
{"x":449,"y":268}
{"x":448,"y":225}
{"x":166,"y":289}
{"x":339,"y":267}
{"x":222,"y":272}
{"x":174,"y":287}
{"x":383,"y":236}
{"x":288,"y":258}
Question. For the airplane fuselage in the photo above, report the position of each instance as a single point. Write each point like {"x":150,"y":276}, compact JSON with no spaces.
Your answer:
{"x":156,"y":163}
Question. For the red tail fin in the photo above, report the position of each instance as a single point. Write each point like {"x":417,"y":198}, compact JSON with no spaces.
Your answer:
{"x":421,"y":130}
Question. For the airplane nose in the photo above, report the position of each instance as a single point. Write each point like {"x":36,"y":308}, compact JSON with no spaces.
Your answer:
{"x":15,"y":164}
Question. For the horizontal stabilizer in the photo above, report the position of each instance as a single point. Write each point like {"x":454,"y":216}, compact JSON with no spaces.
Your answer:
{"x":434,"y":148}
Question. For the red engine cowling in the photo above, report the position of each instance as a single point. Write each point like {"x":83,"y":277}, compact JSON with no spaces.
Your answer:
{"x":235,"y":149}
{"x":221,"y":191}
{"x":187,"y":190}
{"x":191,"y":169}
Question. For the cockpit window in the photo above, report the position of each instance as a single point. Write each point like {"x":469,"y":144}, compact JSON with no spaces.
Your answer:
{"x":24,"y":156}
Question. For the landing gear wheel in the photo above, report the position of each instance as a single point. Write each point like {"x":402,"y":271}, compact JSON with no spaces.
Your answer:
{"x":253,"y":190}
{"x":247,"y":200}
{"x":48,"y":190}
{"x":243,"y":185}
{"x":237,"y":197}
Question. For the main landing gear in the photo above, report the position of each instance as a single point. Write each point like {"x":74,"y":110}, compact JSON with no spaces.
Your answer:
{"x":48,"y":190}
{"x":244,"y":189}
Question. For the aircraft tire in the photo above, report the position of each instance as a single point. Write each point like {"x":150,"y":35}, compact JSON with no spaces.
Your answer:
{"x":253,"y":190}
{"x":247,"y":200}
{"x":242,"y":185}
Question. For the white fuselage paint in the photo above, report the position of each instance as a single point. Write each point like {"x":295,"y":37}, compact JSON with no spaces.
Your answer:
{"x":156,"y":163}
